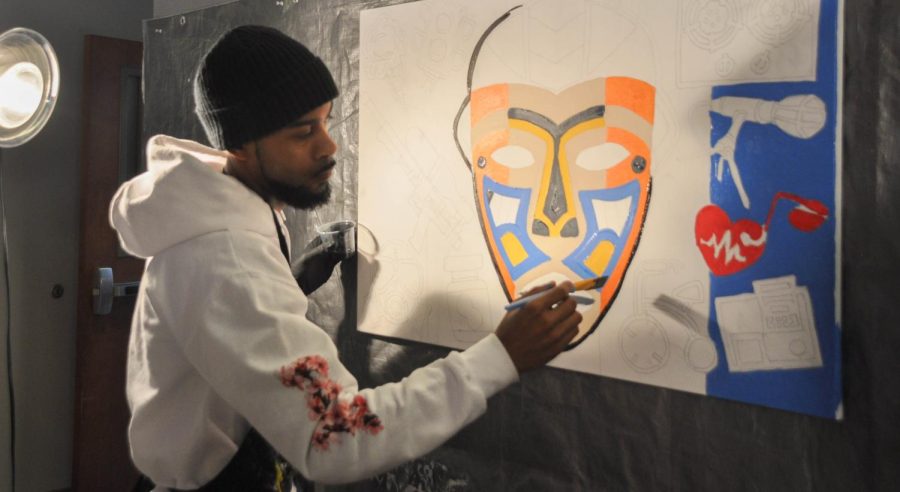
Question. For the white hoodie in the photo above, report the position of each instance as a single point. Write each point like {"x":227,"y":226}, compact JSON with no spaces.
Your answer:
{"x":220,"y":343}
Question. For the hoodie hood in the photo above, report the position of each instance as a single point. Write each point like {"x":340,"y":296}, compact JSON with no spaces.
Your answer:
{"x":183,"y":194}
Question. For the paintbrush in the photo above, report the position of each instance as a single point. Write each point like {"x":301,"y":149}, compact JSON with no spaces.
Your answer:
{"x":593,"y":283}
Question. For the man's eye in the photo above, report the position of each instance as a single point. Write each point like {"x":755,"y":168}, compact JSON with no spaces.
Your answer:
{"x":603,"y":156}
{"x":514,"y":156}
{"x":303,"y":131}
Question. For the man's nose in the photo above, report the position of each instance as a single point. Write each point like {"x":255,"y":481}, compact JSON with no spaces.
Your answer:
{"x":555,"y":217}
{"x":326,"y":147}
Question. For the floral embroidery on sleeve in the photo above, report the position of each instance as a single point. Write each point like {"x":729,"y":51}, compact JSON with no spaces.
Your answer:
{"x":310,"y":375}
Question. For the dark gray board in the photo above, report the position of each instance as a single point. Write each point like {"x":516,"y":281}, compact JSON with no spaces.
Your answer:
{"x":561,"y":430}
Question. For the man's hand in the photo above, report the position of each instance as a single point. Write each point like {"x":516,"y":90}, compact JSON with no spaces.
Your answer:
{"x":315,"y":265}
{"x":538,"y":331}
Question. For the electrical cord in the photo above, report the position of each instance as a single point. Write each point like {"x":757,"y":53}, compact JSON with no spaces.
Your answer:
{"x":9,"y":370}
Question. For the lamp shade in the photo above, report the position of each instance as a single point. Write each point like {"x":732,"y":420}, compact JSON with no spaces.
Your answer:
{"x":29,"y":85}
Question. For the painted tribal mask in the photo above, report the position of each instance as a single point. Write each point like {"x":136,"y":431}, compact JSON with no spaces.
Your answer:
{"x":562,"y":183}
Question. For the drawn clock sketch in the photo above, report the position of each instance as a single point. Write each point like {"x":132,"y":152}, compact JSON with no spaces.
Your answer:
{"x":507,"y":144}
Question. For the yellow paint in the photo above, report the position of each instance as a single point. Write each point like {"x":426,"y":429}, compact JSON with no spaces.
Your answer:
{"x":514,"y":249}
{"x":600,"y":258}
{"x":572,"y":133}
{"x":579,"y":129}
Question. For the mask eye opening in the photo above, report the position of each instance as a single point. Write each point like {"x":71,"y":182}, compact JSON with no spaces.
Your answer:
{"x":513,"y":156}
{"x":601,"y":157}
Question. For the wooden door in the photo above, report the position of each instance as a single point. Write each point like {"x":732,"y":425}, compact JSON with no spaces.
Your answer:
{"x":111,"y":152}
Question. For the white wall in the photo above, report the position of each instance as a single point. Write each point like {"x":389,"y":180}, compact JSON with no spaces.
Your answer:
{"x":40,"y":189}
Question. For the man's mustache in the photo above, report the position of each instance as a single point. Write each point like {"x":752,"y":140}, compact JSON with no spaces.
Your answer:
{"x":326,"y":165}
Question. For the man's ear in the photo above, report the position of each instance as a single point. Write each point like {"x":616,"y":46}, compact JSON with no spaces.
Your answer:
{"x":242,"y":153}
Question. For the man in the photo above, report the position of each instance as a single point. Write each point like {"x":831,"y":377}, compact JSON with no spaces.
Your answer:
{"x":230,"y":386}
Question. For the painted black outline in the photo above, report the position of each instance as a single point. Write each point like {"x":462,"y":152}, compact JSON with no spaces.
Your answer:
{"x":471,"y":73}
{"x":556,"y":131}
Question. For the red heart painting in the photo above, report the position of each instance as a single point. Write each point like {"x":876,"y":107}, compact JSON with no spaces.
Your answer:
{"x":727,"y":247}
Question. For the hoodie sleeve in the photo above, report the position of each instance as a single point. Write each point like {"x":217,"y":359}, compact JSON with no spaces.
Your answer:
{"x":239,"y":317}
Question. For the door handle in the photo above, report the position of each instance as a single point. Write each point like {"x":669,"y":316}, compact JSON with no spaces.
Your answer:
{"x":105,"y":289}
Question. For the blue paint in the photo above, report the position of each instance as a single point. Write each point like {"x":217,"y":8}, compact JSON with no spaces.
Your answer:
{"x":772,"y":161}
{"x":519,"y":229}
{"x":594,"y":235}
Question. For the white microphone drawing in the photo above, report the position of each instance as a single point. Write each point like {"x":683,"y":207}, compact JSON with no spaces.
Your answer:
{"x":801,"y":116}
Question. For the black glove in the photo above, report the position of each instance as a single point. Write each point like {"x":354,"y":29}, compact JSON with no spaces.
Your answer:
{"x":315,"y":265}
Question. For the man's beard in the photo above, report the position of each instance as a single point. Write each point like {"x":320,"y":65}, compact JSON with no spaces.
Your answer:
{"x":297,"y":196}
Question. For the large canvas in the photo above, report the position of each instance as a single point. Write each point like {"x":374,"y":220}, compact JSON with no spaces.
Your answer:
{"x":685,"y":150}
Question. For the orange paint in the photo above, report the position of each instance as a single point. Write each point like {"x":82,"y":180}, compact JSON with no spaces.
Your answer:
{"x":615,"y":279}
{"x":633,"y":94}
{"x":488,"y":99}
{"x":618,"y":176}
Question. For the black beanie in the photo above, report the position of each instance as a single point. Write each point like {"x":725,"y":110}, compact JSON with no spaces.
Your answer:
{"x":254,"y":81}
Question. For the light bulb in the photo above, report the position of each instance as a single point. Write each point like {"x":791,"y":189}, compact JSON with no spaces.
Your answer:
{"x":21,"y":91}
